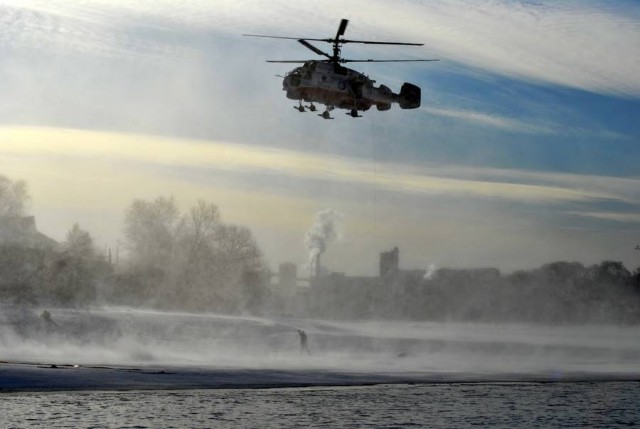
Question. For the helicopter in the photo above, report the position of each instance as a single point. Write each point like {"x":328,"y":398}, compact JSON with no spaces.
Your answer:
{"x":328,"y":82}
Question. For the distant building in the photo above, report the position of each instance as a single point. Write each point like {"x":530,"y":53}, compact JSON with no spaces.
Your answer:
{"x":395,"y":292}
{"x":389,"y":262}
{"x":21,"y":230}
{"x":339,"y":296}
{"x":287,"y":277}
{"x":469,"y":275}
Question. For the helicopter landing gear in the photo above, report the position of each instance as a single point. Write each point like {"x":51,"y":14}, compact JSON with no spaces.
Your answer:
{"x":312,"y":107}
{"x":354,"y":114}
{"x":300,"y":107}
{"x":325,"y":115}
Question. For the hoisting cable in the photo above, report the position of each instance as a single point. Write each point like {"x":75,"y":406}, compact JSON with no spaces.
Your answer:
{"x":375,"y":181}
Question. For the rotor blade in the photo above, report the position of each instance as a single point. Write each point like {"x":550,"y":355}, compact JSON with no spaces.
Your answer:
{"x":342,"y":27}
{"x":386,"y":61}
{"x":270,"y":37}
{"x":337,"y":39}
{"x":313,"y":48}
{"x":289,"y":38}
{"x":287,"y":61}
{"x":369,"y":42}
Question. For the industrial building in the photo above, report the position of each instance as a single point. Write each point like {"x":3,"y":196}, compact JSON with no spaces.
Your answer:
{"x":394,"y":292}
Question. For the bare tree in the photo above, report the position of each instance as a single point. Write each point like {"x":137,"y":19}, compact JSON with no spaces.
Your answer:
{"x":236,"y":245}
{"x":13,"y":197}
{"x":193,"y":261}
{"x":74,"y":271}
{"x":150,"y":229}
{"x":203,"y":222}
{"x":79,"y":242}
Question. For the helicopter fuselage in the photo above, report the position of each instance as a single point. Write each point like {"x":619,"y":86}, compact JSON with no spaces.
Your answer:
{"x":329,"y":83}
{"x":340,"y":87}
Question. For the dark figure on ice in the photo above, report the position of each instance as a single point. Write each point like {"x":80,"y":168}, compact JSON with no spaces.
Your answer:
{"x":304,"y":342}
{"x":50,"y":324}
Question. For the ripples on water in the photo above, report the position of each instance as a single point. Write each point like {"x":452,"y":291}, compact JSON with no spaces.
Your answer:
{"x":508,"y":405}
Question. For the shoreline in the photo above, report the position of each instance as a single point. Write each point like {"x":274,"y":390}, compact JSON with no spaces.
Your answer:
{"x":18,"y":377}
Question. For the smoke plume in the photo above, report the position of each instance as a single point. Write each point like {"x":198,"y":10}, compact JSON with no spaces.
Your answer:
{"x":431,"y":270}
{"x":325,"y":229}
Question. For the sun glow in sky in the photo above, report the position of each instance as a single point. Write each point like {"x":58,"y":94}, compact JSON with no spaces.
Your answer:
{"x":526,"y":148}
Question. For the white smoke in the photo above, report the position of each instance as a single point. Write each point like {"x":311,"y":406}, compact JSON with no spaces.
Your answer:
{"x":431,"y":270}
{"x":326,"y":228}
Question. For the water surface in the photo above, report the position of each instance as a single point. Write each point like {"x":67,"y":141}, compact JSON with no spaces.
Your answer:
{"x":505,"y":405}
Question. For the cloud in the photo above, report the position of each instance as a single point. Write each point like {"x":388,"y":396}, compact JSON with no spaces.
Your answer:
{"x":582,"y":45}
{"x":611,"y":216}
{"x":525,"y":126}
{"x":437,"y":213}
{"x":484,"y":119}
{"x":585,"y":45}
{"x":154,"y":152}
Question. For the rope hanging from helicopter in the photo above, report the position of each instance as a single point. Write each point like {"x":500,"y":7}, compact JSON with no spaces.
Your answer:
{"x":375,"y":181}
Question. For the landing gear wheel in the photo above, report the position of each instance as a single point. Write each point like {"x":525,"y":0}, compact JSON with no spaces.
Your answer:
{"x":325,"y":115}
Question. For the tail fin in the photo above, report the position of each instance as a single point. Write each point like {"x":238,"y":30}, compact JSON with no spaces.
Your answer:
{"x":410,"y":96}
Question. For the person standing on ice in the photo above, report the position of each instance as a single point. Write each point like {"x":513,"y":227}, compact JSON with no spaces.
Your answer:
{"x":304,"y":342}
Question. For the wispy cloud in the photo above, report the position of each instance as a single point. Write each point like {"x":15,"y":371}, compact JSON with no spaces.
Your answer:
{"x":489,"y":120}
{"x":232,"y":157}
{"x":611,"y":216}
{"x":586,"y":45}
{"x":90,"y":177}
{"x":522,"y":125}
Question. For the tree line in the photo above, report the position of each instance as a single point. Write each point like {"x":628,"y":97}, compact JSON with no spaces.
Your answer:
{"x":558,"y":292}
{"x":194,"y":261}
{"x":190,"y":261}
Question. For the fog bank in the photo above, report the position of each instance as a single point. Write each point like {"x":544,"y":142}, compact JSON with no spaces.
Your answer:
{"x":123,"y":336}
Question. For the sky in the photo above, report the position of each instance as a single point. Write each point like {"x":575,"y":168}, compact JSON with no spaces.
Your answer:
{"x":525,"y":150}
